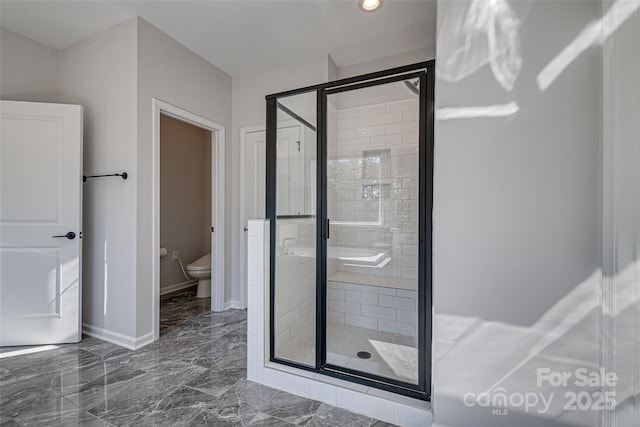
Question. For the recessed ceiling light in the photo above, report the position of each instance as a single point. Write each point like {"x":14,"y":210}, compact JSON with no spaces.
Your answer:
{"x":370,"y":5}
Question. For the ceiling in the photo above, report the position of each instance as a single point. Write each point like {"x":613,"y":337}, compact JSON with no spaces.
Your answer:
{"x":241,"y":36}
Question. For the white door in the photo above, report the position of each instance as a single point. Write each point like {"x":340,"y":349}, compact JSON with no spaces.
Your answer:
{"x":253,"y":191}
{"x":254,"y":176}
{"x":40,"y":199}
{"x":255,"y":162}
{"x":289,"y":179}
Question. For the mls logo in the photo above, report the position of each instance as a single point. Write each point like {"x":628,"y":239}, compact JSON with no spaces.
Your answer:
{"x":500,"y":411}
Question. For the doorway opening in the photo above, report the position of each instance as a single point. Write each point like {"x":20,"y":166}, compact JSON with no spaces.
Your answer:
{"x":185,"y":221}
{"x":188,"y":214}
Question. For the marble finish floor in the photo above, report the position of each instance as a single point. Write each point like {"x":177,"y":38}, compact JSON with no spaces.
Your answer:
{"x":193,"y":375}
{"x":180,"y":306}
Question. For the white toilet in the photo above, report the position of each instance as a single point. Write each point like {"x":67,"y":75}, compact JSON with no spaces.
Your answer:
{"x":201,"y":269}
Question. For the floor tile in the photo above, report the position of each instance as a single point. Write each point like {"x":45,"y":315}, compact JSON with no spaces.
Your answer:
{"x":59,"y":412}
{"x":214,"y":383}
{"x":238,"y":406}
{"x":174,"y":409}
{"x":291,"y":408}
{"x":329,"y":416}
{"x":21,"y":396}
{"x":245,"y":418}
{"x":377,"y":423}
{"x":99,"y":347}
{"x":107,"y":388}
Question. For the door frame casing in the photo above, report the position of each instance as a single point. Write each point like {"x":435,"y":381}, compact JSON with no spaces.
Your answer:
{"x":217,"y":130}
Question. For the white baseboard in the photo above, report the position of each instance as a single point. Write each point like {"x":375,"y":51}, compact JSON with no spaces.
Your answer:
{"x":177,"y":286}
{"x":126,"y":341}
{"x":233,"y":304}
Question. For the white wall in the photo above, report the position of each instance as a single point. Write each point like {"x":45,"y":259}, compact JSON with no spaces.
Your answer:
{"x":170,"y":72}
{"x":516,"y":240}
{"x":100,"y":74}
{"x":386,"y":63}
{"x":28,"y":69}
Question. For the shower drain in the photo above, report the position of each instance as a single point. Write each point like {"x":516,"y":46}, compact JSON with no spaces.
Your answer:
{"x":363,"y":354}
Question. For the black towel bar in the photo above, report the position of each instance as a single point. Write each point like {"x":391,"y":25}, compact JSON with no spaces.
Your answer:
{"x":85,"y":177}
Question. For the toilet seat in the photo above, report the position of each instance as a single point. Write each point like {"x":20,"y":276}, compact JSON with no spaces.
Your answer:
{"x":201,"y":264}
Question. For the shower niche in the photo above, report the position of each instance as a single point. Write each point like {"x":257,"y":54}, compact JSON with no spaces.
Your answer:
{"x":349,"y":199}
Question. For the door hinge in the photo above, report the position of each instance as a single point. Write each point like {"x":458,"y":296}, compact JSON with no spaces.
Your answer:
{"x":213,"y":229}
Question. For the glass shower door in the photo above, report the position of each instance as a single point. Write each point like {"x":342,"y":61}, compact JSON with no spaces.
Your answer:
{"x":372,"y":193}
{"x":349,"y":181}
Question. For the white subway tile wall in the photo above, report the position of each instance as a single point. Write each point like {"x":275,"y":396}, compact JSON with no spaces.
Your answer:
{"x":295,"y":308}
{"x":375,"y":145}
{"x":373,"y":187}
{"x":373,"y":307}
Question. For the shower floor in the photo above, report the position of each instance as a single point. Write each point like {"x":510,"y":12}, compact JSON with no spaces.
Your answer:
{"x":393,"y":355}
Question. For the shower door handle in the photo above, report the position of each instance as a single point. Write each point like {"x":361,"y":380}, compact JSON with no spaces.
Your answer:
{"x":327,"y":226}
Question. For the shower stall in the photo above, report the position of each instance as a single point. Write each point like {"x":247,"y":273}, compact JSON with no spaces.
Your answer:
{"x":349,"y":198}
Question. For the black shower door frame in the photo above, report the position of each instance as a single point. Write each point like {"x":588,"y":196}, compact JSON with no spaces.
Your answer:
{"x":423,"y":71}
